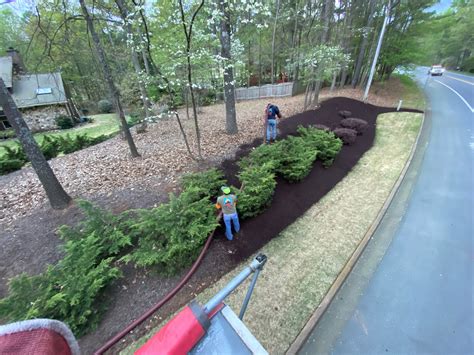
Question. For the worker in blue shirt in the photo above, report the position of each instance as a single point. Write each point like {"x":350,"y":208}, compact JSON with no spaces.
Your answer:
{"x":271,"y":114}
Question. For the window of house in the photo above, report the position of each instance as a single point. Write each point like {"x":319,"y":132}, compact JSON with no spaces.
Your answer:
{"x":4,"y":124}
{"x":43,"y":91}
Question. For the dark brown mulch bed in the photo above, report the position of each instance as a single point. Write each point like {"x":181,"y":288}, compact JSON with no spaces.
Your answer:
{"x":289,"y":202}
{"x":139,"y":290}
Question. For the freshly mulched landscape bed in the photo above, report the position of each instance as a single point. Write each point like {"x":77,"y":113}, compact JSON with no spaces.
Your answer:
{"x":105,"y":175}
{"x":138,"y":291}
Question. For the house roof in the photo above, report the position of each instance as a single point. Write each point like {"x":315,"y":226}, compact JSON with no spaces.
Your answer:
{"x":6,"y":70}
{"x":38,"y":90}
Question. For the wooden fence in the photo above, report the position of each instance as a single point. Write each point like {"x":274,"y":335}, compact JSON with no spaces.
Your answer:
{"x":260,"y":92}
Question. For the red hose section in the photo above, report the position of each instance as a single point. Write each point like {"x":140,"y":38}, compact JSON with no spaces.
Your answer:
{"x":165,"y":299}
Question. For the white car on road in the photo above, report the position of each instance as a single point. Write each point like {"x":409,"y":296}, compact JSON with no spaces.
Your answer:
{"x":436,"y":70}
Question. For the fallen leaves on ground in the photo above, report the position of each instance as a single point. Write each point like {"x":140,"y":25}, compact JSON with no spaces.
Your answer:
{"x":107,"y":167}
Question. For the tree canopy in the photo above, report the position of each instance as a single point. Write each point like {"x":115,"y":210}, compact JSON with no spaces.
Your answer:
{"x":271,"y":41}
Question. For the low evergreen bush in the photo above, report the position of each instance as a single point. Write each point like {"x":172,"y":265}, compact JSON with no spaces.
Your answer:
{"x":69,"y":290}
{"x":347,"y":135}
{"x":13,"y":159}
{"x":64,"y":122}
{"x":50,"y":146}
{"x":259,"y":186}
{"x":327,"y":144}
{"x":269,"y":154}
{"x":104,"y":106}
{"x":297,"y":158}
{"x":8,"y":166}
{"x":14,"y":153}
{"x":356,"y":124}
{"x":345,"y":113}
{"x":208,"y":183}
{"x":170,"y":236}
{"x":7,"y":133}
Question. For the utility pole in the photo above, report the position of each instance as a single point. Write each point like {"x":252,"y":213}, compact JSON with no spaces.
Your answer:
{"x":377,"y":52}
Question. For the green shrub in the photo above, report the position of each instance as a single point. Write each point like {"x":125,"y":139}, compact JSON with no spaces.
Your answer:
{"x":297,"y":158}
{"x":7,"y":166}
{"x":208,"y":183}
{"x":171,"y":235}
{"x":102,"y":223}
{"x":259,"y":186}
{"x":207,"y":97}
{"x":68,"y":144}
{"x":104,"y":106}
{"x":13,"y":159}
{"x":269,"y":154}
{"x":8,"y":133}
{"x":327,"y":144}
{"x":14,"y":153}
{"x":64,"y":122}
{"x":50,"y":146}
{"x":69,"y":290}
{"x":100,"y":139}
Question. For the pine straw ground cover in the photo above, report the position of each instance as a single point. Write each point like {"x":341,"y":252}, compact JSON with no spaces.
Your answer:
{"x":305,"y":259}
{"x":107,"y":167}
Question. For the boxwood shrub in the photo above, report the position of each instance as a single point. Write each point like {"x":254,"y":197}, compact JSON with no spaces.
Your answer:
{"x":347,"y":135}
{"x":345,"y":113}
{"x":356,"y":124}
{"x":64,"y":122}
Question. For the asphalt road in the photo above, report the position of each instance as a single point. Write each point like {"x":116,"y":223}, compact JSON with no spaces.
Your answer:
{"x":412,"y":290}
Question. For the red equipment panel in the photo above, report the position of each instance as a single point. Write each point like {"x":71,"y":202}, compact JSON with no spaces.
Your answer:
{"x":177,"y":337}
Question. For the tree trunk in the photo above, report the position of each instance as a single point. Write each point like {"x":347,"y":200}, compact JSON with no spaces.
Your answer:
{"x":363,"y":46}
{"x":365,"y":72}
{"x":347,"y":38}
{"x":135,"y":61}
{"x":229,"y":89}
{"x":317,"y":89}
{"x":58,"y":198}
{"x":333,"y":83}
{"x":260,"y":59}
{"x":186,"y":101}
{"x":273,"y":39}
{"x":327,"y":13}
{"x":83,"y":80}
{"x":114,"y":93}
{"x":146,"y":63}
{"x":188,"y":34}
{"x":306,"y":96}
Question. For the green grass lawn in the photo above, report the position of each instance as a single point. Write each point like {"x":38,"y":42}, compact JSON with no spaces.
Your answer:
{"x":102,"y":124}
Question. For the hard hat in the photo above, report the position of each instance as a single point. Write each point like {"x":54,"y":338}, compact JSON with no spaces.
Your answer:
{"x":225,"y":189}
